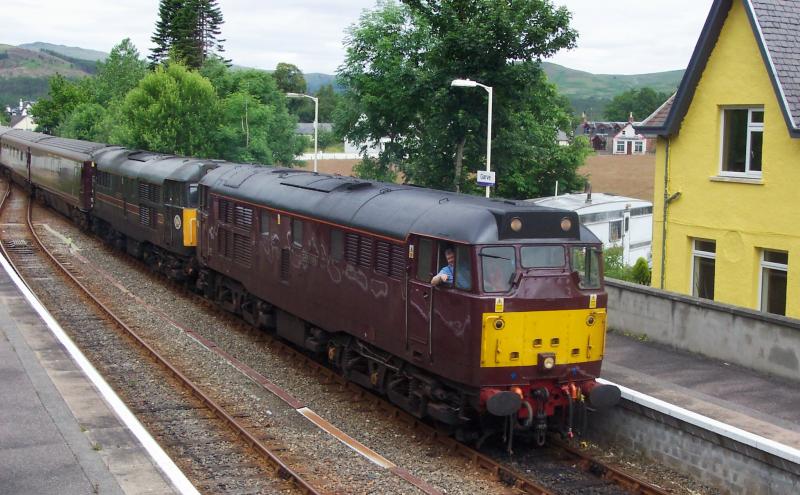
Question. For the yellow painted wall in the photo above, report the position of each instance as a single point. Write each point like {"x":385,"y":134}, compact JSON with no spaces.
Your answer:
{"x":741,"y":217}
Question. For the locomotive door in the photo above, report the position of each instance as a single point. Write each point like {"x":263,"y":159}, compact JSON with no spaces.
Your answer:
{"x":420,"y":301}
{"x":174,"y":199}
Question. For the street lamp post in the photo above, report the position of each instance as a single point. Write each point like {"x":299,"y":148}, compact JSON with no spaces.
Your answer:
{"x":316,"y":118}
{"x":467,"y":83}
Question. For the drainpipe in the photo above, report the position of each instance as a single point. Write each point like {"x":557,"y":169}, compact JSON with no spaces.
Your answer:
{"x":664,"y":223}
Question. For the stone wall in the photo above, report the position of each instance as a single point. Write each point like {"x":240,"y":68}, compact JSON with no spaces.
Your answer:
{"x":760,"y":341}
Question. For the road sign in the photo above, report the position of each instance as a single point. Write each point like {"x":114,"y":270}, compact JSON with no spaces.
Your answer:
{"x":485,"y":178}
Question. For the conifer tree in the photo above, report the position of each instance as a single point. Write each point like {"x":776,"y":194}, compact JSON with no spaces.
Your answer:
{"x":187,"y":30}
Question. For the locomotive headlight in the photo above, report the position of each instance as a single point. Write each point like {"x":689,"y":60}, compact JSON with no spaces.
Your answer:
{"x":549,"y":362}
{"x":566,"y":224}
{"x":516,"y":224}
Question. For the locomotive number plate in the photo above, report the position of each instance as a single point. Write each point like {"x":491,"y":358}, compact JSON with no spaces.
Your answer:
{"x":177,"y":222}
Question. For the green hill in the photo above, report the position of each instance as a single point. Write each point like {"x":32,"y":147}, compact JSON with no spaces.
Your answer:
{"x":24,"y":72}
{"x":68,"y":51}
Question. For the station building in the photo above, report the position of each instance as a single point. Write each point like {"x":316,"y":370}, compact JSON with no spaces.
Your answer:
{"x":727,"y":170}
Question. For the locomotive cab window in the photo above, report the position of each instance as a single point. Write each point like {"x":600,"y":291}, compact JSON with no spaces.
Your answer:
{"x":586,"y":262}
{"x":498,"y":266}
{"x":542,"y":256}
{"x":424,"y":258}
{"x":456,"y":263}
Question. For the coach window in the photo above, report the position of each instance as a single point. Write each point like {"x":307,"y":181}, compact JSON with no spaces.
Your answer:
{"x":424,"y":258}
{"x":498,"y":265}
{"x":297,"y":231}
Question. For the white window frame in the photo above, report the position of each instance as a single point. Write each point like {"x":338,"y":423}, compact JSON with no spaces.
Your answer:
{"x":638,"y":147}
{"x":617,"y":149}
{"x":751,"y":127}
{"x":772,"y":266}
{"x":697,"y":253}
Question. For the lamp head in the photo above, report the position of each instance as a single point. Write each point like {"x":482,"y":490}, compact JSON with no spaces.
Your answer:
{"x":294,"y":95}
{"x":463,"y":83}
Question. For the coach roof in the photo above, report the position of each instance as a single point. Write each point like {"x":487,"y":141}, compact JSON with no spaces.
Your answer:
{"x":69,"y":148}
{"x":391,"y":210}
{"x":154,"y":168}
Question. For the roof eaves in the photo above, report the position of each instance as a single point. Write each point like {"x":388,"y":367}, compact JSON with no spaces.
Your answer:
{"x":773,"y":73}
{"x":702,"y":51}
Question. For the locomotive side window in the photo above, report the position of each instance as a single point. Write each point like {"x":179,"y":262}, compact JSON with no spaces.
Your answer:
{"x":424,"y":260}
{"x":542,"y":257}
{"x":337,"y":245}
{"x":192,"y":196}
{"x":297,"y":231}
{"x":498,"y":264}
{"x":463,"y":273}
{"x":264,"y":222}
{"x":586,"y":261}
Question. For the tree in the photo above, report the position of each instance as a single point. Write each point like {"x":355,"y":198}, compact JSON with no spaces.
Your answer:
{"x":289,"y":78}
{"x":328,"y":100}
{"x":399,"y":65}
{"x":256,"y":125}
{"x":88,"y":121}
{"x":187,"y":31}
{"x":62,"y":98}
{"x":639,"y":102}
{"x":119,"y":73}
{"x":172,"y":110}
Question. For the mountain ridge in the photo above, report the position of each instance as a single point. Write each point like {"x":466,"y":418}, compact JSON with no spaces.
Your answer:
{"x":586,"y":91}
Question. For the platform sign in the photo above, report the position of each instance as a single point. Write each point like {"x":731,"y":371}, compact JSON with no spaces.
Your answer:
{"x":485,"y":178}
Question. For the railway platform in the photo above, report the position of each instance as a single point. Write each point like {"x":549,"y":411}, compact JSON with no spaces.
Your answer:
{"x":759,"y":404}
{"x":60,"y":433}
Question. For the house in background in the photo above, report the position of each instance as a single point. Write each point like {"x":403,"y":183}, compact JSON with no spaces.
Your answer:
{"x":727,"y":171}
{"x":628,"y":142}
{"x":20,"y":117}
{"x":615,"y":220}
{"x":599,"y":134}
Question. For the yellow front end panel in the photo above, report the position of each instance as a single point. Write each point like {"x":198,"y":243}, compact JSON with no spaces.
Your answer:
{"x":516,"y":339}
{"x":189,"y":227}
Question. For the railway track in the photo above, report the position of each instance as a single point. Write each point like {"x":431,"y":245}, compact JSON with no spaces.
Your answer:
{"x":213,"y":446}
{"x":594,"y":478}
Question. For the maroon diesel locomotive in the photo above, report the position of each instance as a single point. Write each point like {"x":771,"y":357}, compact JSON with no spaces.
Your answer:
{"x":344,"y":267}
{"x":354,"y":271}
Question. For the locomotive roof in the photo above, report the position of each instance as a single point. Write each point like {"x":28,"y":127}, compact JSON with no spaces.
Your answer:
{"x":151,"y":167}
{"x":70,"y":148}
{"x":392,"y":210}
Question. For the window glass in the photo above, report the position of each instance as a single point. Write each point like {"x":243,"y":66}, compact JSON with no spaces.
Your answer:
{"x":703,"y":270}
{"x":586,"y":261}
{"x":542,"y":256}
{"x":337,"y":245}
{"x":614,"y":231}
{"x":192,"y":195}
{"x":774,"y":267}
{"x":424,"y":260}
{"x":735,"y":146}
{"x":498,"y":265}
{"x":743,"y":136}
{"x":264,"y":221}
{"x":463,"y":268}
{"x":297,"y":231}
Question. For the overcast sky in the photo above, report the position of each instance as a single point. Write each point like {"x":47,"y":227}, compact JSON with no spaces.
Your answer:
{"x":620,"y":37}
